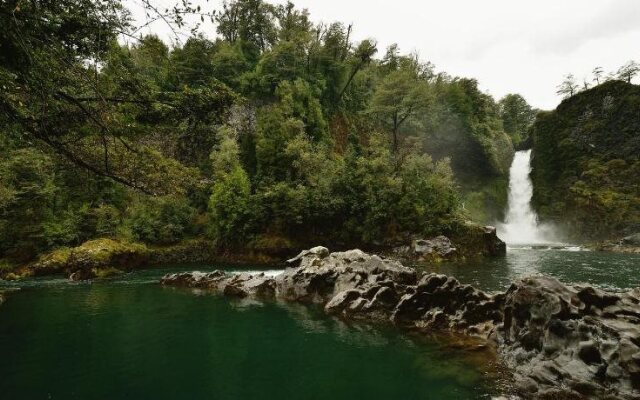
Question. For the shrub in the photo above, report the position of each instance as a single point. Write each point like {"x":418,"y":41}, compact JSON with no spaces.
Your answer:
{"x":164,"y":220}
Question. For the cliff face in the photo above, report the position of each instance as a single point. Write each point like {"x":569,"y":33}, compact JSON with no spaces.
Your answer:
{"x":586,"y":162}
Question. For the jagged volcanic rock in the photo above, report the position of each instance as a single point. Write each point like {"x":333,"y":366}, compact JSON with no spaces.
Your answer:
{"x":559,"y":341}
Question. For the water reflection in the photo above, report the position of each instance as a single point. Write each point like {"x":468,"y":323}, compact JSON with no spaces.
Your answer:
{"x":111,"y":340}
{"x":616,"y":272}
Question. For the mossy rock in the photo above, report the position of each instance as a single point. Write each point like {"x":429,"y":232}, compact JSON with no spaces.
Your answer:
{"x":585,"y":165}
{"x":11,"y":276}
{"x":51,"y":263}
{"x":107,"y":253}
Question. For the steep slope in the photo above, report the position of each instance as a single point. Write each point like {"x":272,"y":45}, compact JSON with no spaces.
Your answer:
{"x":467,"y":129}
{"x":586,"y":168}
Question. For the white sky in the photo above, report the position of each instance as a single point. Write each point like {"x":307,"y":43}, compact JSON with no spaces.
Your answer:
{"x":510,"y":46}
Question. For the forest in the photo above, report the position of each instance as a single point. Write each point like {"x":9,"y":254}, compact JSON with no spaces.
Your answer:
{"x":278,"y":132}
{"x":586,"y":166}
{"x":198,"y":200}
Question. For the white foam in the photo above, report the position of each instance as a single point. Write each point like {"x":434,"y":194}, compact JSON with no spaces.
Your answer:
{"x":521,"y":225}
{"x":270,"y":273}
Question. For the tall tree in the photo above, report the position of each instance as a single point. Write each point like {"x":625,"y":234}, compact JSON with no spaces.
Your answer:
{"x":598,"y":73}
{"x":362,"y":56}
{"x":249,"y":22}
{"x":402,"y":95}
{"x":628,"y":71}
{"x":568,"y":87}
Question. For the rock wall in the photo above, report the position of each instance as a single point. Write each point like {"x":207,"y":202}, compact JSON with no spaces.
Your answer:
{"x":560,"y":341}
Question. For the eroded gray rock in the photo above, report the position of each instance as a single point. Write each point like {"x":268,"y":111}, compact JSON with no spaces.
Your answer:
{"x":560,"y":341}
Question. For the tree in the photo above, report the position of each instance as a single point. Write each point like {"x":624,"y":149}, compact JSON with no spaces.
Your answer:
{"x":401,"y":95}
{"x":55,"y":93}
{"x":191,"y":64}
{"x":568,"y":87}
{"x":628,"y":71}
{"x":598,"y":72}
{"x":362,"y":56}
{"x":28,"y":191}
{"x":251,"y":23}
{"x":517,"y":116}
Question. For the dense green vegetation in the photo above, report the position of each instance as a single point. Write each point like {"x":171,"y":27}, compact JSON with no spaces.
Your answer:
{"x":277,"y":134}
{"x":586,"y":164}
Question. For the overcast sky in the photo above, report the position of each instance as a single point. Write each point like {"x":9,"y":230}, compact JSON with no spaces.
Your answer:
{"x":510,"y":46}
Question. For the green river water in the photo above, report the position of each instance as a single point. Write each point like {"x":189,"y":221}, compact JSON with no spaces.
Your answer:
{"x":130,"y":338}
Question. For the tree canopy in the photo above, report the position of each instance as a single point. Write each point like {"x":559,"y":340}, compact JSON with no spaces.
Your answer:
{"x":271,"y":131}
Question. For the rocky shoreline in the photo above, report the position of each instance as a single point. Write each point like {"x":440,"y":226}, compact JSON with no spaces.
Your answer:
{"x":105,"y":257}
{"x":627,"y":245}
{"x":559,"y":341}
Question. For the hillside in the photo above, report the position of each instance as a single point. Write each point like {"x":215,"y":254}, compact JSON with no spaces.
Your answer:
{"x":271,"y":133}
{"x":586,"y":162}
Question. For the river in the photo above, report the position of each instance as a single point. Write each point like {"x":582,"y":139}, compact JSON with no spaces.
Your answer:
{"x":131,"y":338}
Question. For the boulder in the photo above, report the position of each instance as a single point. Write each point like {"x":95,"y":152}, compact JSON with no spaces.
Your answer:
{"x":471,"y":242}
{"x":577,"y":337}
{"x":631,"y":240}
{"x":98,"y":258}
{"x":320,"y":276}
{"x":228,"y":284}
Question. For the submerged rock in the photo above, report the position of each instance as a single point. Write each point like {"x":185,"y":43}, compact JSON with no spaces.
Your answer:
{"x":560,"y":341}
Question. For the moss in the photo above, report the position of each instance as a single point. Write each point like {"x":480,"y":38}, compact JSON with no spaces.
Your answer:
{"x":53,"y":262}
{"x":585,"y":166}
{"x":11,"y":276}
{"x":107,"y":272}
{"x":102,"y":253}
{"x":100,"y":257}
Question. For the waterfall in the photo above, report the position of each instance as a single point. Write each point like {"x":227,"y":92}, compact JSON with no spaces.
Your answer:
{"x":521,"y":224}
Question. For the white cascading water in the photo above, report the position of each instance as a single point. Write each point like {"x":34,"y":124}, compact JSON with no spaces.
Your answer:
{"x":521,"y":224}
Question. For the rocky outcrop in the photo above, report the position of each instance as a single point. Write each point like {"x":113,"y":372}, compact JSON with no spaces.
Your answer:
{"x":93,"y":259}
{"x":106,"y":257}
{"x":579,"y":340}
{"x":428,"y":250}
{"x":631,"y":240}
{"x":560,"y":341}
{"x":236,"y":285}
{"x":628,"y":244}
{"x":473,"y":241}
